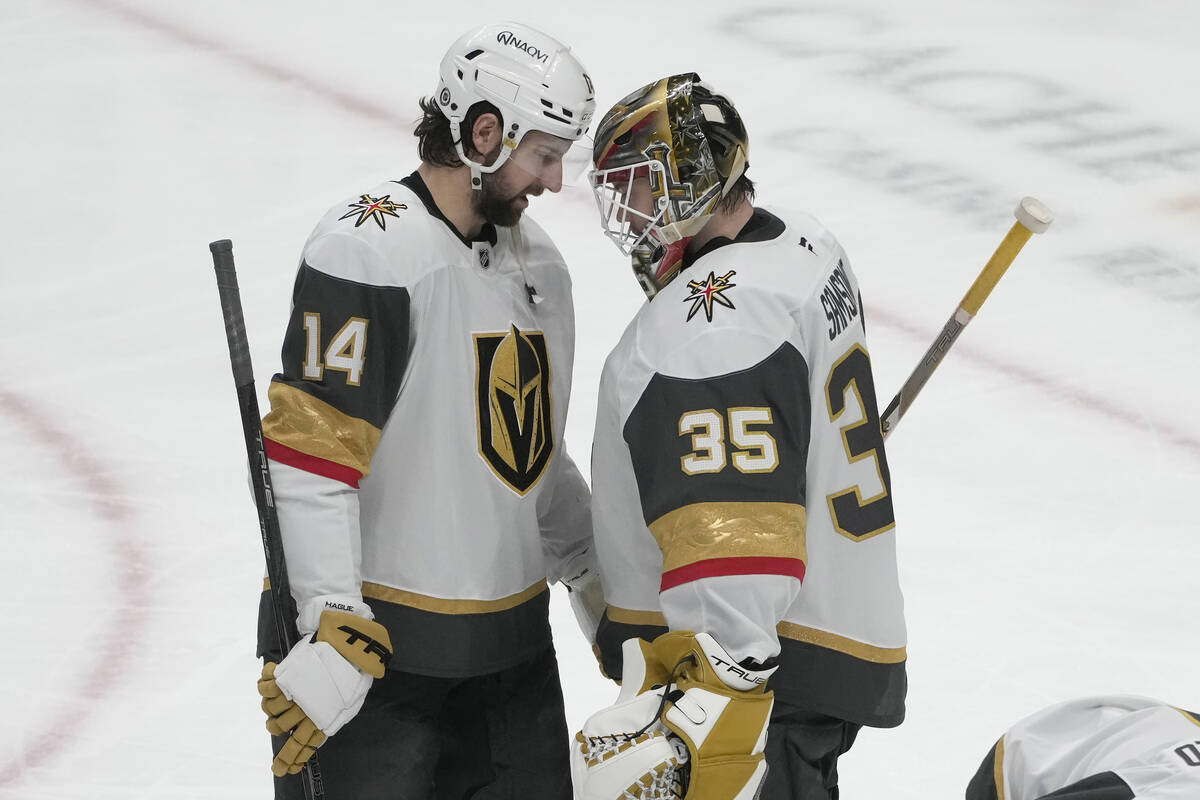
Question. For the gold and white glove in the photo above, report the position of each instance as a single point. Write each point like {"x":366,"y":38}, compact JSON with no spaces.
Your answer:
{"x":624,"y":752}
{"x":721,"y":711}
{"x":689,"y":724}
{"x":321,"y":683}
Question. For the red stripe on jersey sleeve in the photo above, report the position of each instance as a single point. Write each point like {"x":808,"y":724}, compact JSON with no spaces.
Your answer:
{"x":748,"y":565}
{"x":317,"y":466}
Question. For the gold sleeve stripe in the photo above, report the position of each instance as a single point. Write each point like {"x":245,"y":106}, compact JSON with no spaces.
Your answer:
{"x":376,"y":591}
{"x":629,"y":617}
{"x":705,"y":531}
{"x":1189,"y":716}
{"x":303,"y":423}
{"x":998,"y":769}
{"x":439,"y":605}
{"x":866,"y":652}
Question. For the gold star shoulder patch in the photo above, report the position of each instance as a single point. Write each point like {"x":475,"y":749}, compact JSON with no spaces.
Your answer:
{"x":709,"y":293}
{"x":375,"y":209}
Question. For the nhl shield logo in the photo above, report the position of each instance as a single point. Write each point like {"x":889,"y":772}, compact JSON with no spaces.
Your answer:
{"x":512,"y":385}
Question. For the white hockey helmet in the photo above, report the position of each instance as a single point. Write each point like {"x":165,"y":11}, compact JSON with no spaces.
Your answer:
{"x":533,"y":79}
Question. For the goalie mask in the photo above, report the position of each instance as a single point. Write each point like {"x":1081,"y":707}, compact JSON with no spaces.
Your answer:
{"x":684,"y":142}
{"x":532,"y":79}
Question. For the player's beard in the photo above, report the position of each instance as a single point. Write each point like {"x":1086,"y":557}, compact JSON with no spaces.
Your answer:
{"x":496,"y":203}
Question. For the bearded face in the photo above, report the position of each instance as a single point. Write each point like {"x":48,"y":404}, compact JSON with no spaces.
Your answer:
{"x":501,"y":200}
{"x":535,"y":166}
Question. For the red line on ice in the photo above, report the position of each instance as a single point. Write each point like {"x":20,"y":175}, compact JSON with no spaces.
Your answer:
{"x":126,"y":616}
{"x":186,"y":35}
{"x":274,"y":72}
{"x":279,"y":74}
{"x":1052,"y":389}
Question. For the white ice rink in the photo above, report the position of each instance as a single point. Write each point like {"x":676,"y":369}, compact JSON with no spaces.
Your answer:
{"x":1046,"y":482}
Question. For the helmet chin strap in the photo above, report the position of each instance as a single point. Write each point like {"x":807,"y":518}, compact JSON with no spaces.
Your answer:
{"x":477,"y":169}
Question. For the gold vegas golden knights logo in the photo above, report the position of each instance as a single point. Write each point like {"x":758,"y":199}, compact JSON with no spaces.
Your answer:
{"x":512,"y":401}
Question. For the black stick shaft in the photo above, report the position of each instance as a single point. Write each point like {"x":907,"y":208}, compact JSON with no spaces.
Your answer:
{"x":282,"y":605}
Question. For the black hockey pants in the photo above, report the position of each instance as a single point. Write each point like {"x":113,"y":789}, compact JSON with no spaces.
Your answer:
{"x":492,"y":737}
{"x":802,"y":753}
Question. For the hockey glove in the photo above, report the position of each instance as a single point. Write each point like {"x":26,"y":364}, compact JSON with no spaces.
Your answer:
{"x":720,"y":710}
{"x":624,"y":752}
{"x":320,"y":684}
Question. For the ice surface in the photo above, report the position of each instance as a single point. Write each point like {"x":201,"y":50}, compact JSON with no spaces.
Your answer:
{"x":1045,"y":481}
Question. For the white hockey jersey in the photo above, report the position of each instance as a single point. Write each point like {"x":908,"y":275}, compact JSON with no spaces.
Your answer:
{"x":740,"y":482}
{"x":416,"y":432}
{"x":1095,"y":748}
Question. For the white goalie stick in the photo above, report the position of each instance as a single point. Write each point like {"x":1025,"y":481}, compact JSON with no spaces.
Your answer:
{"x":264,"y":498}
{"x":1032,"y":217}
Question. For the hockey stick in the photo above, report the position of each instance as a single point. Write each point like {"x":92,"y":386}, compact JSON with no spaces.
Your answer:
{"x":264,"y":497}
{"x":1032,"y":217}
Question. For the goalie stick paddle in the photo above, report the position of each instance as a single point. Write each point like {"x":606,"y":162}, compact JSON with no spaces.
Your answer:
{"x":1032,"y":217}
{"x":264,"y":498}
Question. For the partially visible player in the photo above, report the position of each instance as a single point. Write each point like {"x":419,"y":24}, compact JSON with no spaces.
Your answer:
{"x":742,"y":500}
{"x":424,"y":490}
{"x":1095,"y":748}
